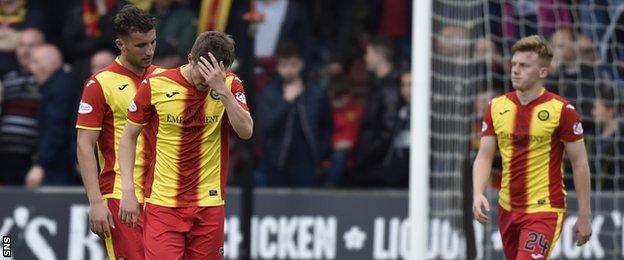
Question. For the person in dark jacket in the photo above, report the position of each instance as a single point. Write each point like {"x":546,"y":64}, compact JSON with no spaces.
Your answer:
{"x":380,"y":114}
{"x":295,"y":122}
{"x":60,"y":93}
{"x":18,"y":118}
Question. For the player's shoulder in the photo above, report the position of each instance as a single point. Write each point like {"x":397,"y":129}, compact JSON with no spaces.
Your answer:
{"x":502,"y":98}
{"x":556,"y":97}
{"x":155,"y":70}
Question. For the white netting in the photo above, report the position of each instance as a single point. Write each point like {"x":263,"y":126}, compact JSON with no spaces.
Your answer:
{"x":471,"y":49}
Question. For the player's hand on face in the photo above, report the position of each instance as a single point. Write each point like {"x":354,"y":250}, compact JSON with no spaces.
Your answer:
{"x":213,"y":72}
{"x":129,"y":210}
{"x":480,"y":207}
{"x":100,"y":220}
{"x":582,"y":230}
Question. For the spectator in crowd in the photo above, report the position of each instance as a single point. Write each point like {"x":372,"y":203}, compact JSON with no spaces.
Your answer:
{"x":347,"y":115}
{"x":489,"y":61}
{"x":176,"y":25}
{"x":60,"y":92}
{"x":295,"y":121}
{"x":284,"y":21}
{"x":570,"y":78}
{"x":594,"y":17}
{"x":608,"y":146}
{"x":380,"y":111}
{"x":87,"y":29}
{"x":18,"y":117}
{"x":101,"y":59}
{"x":15,"y":15}
{"x":395,"y":166}
{"x":586,"y":50}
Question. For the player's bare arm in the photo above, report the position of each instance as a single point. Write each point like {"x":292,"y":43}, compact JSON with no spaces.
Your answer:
{"x":580,"y":173}
{"x":129,"y":208}
{"x":214,"y":73}
{"x":100,"y":218}
{"x":480,"y":177}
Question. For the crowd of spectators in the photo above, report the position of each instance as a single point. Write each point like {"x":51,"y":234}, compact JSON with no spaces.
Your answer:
{"x":331,"y":81}
{"x":329,"y":77}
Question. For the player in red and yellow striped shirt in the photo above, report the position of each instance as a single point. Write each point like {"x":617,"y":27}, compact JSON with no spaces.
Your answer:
{"x":532,"y":128}
{"x":101,"y":119}
{"x":189,"y":109}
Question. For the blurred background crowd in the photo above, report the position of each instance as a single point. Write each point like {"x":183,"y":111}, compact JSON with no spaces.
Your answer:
{"x":330,"y":81}
{"x":315,"y":64}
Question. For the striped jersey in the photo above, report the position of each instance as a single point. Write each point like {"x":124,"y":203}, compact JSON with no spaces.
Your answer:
{"x":531,"y":143}
{"x":103,"y":107}
{"x":191,"y":144}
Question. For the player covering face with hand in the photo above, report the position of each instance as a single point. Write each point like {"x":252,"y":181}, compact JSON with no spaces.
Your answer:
{"x":190,"y":110}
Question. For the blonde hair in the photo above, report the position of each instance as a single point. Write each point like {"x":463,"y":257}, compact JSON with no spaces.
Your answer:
{"x":537,"y":44}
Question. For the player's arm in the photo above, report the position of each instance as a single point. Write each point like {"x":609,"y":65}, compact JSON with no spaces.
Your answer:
{"x":129,"y":206}
{"x":481,"y":175}
{"x":580,"y":174}
{"x":100,"y":218}
{"x":214,"y":73}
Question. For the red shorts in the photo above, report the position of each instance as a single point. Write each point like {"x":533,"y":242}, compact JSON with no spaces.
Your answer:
{"x":529,"y":235}
{"x":124,"y":242}
{"x":184,"y":233}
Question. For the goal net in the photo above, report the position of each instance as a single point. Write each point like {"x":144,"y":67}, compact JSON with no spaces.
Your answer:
{"x":471,"y":49}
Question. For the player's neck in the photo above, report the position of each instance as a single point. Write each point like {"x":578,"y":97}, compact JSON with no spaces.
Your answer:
{"x":526,"y":96}
{"x":127,"y":65}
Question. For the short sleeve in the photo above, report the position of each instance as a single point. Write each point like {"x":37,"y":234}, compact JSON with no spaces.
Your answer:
{"x":487,"y":127}
{"x":570,"y":126}
{"x":141,"y":109}
{"x":92,"y":108}
{"x":239,"y":93}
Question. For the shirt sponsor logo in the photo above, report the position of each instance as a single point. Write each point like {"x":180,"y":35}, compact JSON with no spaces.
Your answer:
{"x":240,"y":96}
{"x":133,"y":107}
{"x":577,"y":128}
{"x":84,"y":108}
{"x":122,"y":87}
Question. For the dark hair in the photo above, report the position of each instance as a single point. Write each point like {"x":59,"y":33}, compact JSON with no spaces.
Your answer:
{"x":221,"y":45}
{"x":133,"y":19}
{"x":384,"y":45}
{"x":287,"y":50}
{"x":338,"y":86}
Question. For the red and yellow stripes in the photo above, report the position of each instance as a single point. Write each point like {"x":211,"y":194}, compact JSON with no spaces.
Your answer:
{"x":531,"y":150}
{"x":213,"y":15}
{"x":191,"y":145}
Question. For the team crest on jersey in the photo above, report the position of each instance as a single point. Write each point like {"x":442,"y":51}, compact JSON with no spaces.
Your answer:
{"x":214,"y":95}
{"x":133,"y":107}
{"x":84,"y":108}
{"x":543,"y":115}
{"x":484,"y":126}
